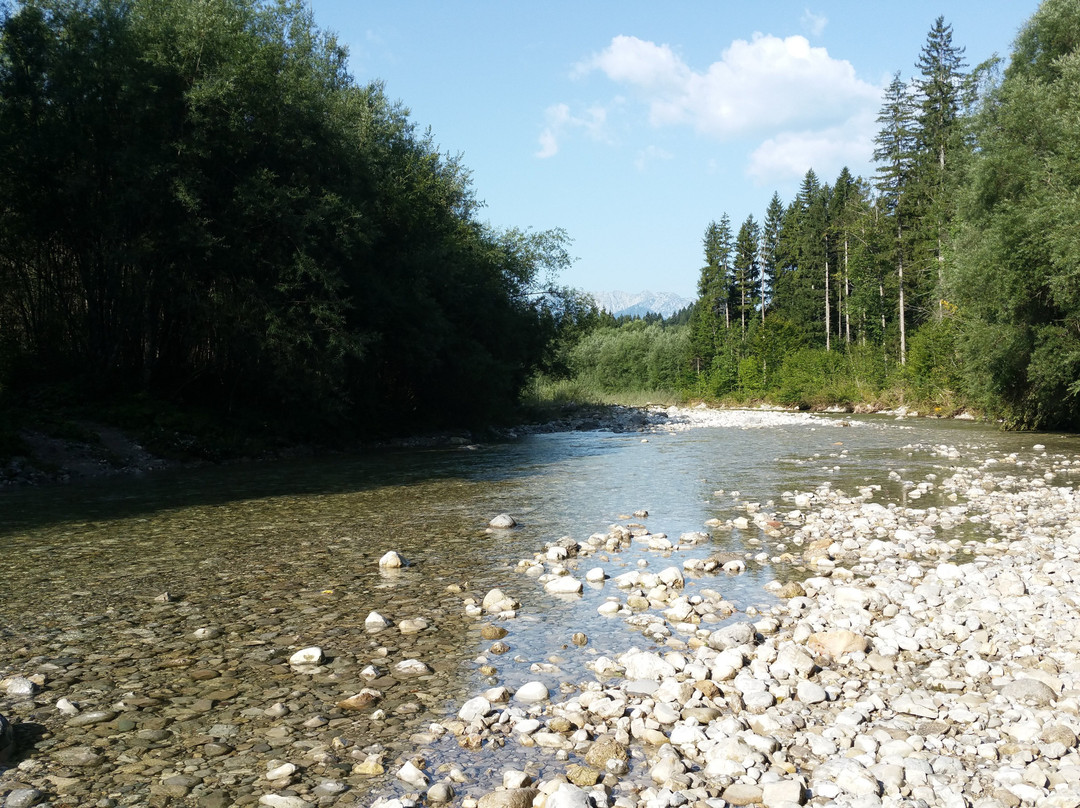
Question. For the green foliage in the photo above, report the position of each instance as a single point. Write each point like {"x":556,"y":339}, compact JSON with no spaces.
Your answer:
{"x":201,"y":206}
{"x":1018,"y":259}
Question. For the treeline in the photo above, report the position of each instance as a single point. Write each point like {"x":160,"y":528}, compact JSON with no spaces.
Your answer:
{"x":199,"y":205}
{"x":949,"y":279}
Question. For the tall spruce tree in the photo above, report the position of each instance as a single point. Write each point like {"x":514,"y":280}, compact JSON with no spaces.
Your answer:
{"x":939,"y":134}
{"x":745,"y":280}
{"x":896,"y":153}
{"x":769,"y":251}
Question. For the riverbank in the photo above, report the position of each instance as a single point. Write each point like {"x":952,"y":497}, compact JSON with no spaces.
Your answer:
{"x":910,"y":668}
{"x":82,"y":449}
{"x":161,"y":681}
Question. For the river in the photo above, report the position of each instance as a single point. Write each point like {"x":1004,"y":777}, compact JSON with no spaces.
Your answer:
{"x":106,"y":583}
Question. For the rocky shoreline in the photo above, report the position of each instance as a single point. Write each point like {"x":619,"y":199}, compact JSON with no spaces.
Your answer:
{"x":928,"y":654}
{"x":913,"y":669}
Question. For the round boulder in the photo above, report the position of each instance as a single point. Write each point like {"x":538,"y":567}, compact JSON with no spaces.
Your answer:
{"x":503,"y":521}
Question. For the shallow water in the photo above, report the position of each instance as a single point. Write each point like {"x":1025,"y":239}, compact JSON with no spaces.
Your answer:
{"x":284,"y":555}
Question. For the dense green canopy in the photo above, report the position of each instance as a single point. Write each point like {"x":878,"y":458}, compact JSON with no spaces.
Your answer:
{"x":199,"y":203}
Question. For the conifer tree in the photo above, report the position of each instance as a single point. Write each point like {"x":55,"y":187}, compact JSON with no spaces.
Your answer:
{"x":895,"y":153}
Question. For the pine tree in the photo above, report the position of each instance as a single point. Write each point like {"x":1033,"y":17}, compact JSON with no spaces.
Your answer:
{"x":895,"y":152}
{"x":746,"y":280}
{"x":939,"y":133}
{"x":769,"y":251}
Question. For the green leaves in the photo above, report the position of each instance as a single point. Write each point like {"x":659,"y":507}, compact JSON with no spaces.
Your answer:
{"x":200,"y":203}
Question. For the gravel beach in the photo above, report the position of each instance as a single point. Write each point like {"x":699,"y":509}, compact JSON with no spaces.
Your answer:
{"x":924,"y":655}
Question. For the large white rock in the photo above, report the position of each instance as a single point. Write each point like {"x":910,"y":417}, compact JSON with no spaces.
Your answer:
{"x":412,"y":775}
{"x":313,"y":655}
{"x":375,"y":622}
{"x":646,"y":665}
{"x":568,"y":796}
{"x":411,"y":667}
{"x":497,"y":601}
{"x":283,"y":801}
{"x":564,"y":585}
{"x":531,"y":693}
{"x":474,"y":709}
{"x":503,"y":521}
{"x":840,"y":775}
{"x":391,"y":561}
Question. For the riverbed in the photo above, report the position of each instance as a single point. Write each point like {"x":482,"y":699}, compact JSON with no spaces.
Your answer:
{"x":165,"y":609}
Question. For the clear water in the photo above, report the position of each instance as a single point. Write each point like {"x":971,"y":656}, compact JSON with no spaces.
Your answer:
{"x":288,"y":551}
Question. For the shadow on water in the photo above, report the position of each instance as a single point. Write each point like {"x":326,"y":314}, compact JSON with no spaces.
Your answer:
{"x":128,"y":496}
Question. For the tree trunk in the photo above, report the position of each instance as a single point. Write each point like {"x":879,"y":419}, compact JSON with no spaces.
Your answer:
{"x":900,"y":274}
{"x":828,"y":303}
{"x":847,"y":295}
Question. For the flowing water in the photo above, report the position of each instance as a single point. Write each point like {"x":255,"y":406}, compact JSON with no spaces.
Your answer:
{"x":284,"y":555}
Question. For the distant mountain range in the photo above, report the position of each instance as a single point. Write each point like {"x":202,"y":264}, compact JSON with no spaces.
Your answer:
{"x":638,"y":304}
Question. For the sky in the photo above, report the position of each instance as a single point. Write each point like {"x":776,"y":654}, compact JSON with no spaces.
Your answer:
{"x":633,"y":124}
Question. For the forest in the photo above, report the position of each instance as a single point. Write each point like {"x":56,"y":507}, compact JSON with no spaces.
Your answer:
{"x":949,"y":280}
{"x":207,"y":220}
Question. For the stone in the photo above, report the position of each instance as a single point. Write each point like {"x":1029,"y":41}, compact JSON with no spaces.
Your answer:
{"x":810,"y":692}
{"x":313,"y":655}
{"x":596,"y":575}
{"x":836,"y":643}
{"x":474,"y":709}
{"x":19,"y":687}
{"x":583,"y":776}
{"x":283,"y":801}
{"x":646,"y":665}
{"x":360,"y":701}
{"x":490,"y":632}
{"x":23,"y":798}
{"x":531,"y":693}
{"x":568,"y":795}
{"x":732,"y":636}
{"x":281,"y":771}
{"x":564,"y":585}
{"x":413,"y":625}
{"x":410,"y":774}
{"x":440,"y":793}
{"x":329,"y":788}
{"x":496,"y":601}
{"x":503,"y":521}
{"x":375,"y":622}
{"x":92,"y":717}
{"x":411,"y":667}
{"x":391,"y":561}
{"x":844,"y":775}
{"x":1029,"y":690}
{"x":783,"y":792}
{"x":742,"y":794}
{"x":509,"y":798}
{"x":604,"y":749}
{"x":79,"y":756}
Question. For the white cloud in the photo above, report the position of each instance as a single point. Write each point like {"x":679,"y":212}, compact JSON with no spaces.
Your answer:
{"x":790,"y":153}
{"x":756,"y":86}
{"x":814,"y":24}
{"x":558,"y":120}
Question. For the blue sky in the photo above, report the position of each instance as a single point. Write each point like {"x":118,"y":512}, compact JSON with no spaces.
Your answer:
{"x":634,"y":124}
